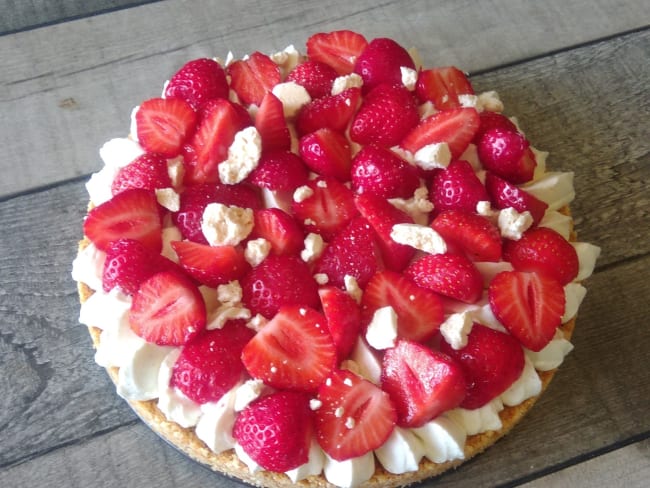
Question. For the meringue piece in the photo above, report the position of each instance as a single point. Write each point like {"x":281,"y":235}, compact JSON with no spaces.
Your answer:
{"x":293,"y":97}
{"x":421,"y":237}
{"x":456,"y":328}
{"x":382,"y":329}
{"x":224,"y":225}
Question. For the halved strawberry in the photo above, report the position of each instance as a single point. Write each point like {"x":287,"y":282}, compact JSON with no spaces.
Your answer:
{"x":327,"y":153}
{"x":316,"y":77}
{"x":491,"y":361}
{"x":338,"y":49}
{"x":343,"y":318}
{"x":197,"y":82}
{"x":504,"y":195}
{"x":491,"y":120}
{"x":419,"y":311}
{"x":379,"y":170}
{"x":253,"y":77}
{"x":422,"y":383}
{"x":456,"y":187}
{"x":380,"y":62}
{"x":507,"y":154}
{"x":131,"y":214}
{"x":529,"y":305}
{"x":293,"y":351}
{"x":456,"y":127}
{"x":546,"y":252}
{"x":442,"y":86}
{"x":164,"y":125}
{"x":167,"y":310}
{"x":279,"y":171}
{"x":271,"y":124}
{"x":333,"y":112}
{"x":280,"y":229}
{"x":148,"y":172}
{"x":475,"y":234}
{"x":355,"y":417}
{"x":211,"y":265}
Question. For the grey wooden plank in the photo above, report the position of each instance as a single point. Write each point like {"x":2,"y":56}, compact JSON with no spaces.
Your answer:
{"x":69,"y":87}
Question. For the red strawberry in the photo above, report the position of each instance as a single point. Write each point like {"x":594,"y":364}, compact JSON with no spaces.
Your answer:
{"x":276,"y":430}
{"x":529,"y":305}
{"x":220,"y":121}
{"x":419,"y":311}
{"x":343,"y":318}
{"x":380,"y":62}
{"x":253,"y":77}
{"x":457,"y":188}
{"x":278,"y":281}
{"x":380,"y":171}
{"x":504,"y":195}
{"x":456,"y":127}
{"x":382,"y":216}
{"x":279,"y":171}
{"x":329,"y":208}
{"x":491,"y":361}
{"x":280,"y":229}
{"x":211,"y":265}
{"x":355,"y":417}
{"x":387,"y":114}
{"x":197,"y":82}
{"x":132,"y":214}
{"x":491,"y":120}
{"x":271,"y":124}
{"x":327,"y":153}
{"x":351,"y":252}
{"x":163,"y":125}
{"x":167,"y":310}
{"x":507,"y":154}
{"x":316,"y":77}
{"x":332,"y":111}
{"x":148,"y":172}
{"x":544,"y":251}
{"x":292,"y":351}
{"x":422,"y":383}
{"x":475,"y":234}
{"x":338,"y":49}
{"x":452,"y":275}
{"x":442,"y":86}
{"x":210,"y":365}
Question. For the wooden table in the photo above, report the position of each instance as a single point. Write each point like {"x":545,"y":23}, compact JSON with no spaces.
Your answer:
{"x":577,"y":74}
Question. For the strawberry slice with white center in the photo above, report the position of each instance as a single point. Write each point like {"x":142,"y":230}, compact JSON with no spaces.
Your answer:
{"x":211,"y":265}
{"x":529,"y":305}
{"x":475,"y":234}
{"x":167,"y":310}
{"x":355,"y":417}
{"x":164,"y":124}
{"x":419,"y":311}
{"x":254,"y":77}
{"x":327,"y":153}
{"x":338,"y":49}
{"x":280,"y":229}
{"x":343,"y":318}
{"x":271,"y":124}
{"x":293,"y":351}
{"x":442,"y":86}
{"x":332,"y":112}
{"x":131,"y":214}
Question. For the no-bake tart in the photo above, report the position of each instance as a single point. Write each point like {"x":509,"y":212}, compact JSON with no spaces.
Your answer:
{"x":335,"y":267}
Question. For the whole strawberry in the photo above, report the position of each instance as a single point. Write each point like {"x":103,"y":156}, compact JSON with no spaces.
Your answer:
{"x":197,"y":82}
{"x":378,"y":170}
{"x":457,"y":188}
{"x":381,"y":62}
{"x":316,"y":77}
{"x":507,"y":154}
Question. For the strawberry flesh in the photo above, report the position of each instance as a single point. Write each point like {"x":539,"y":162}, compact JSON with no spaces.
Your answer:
{"x":211,"y":265}
{"x":197,"y":82}
{"x":164,"y":124}
{"x":338,"y":49}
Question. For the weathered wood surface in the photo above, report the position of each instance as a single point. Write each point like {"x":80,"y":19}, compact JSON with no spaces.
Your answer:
{"x":61,"y":424}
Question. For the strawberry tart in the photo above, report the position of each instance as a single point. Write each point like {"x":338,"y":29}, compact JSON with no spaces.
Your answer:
{"x":335,"y":267}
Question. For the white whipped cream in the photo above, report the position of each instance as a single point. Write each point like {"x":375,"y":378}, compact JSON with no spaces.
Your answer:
{"x":314,"y":465}
{"x":560,"y":223}
{"x":554,"y":188}
{"x":552,"y":355}
{"x":402,"y":452}
{"x":587,"y":256}
{"x":88,"y":267}
{"x":215,"y":424}
{"x":478,"y":420}
{"x":351,"y":472}
{"x":574,"y":293}
{"x":526,"y":386}
{"x":171,"y":401}
{"x":443,"y":439}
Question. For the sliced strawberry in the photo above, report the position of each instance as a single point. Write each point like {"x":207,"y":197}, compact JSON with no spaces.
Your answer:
{"x":419,"y":311}
{"x":210,"y":365}
{"x":355,"y":417}
{"x":387,"y":114}
{"x":276,"y":282}
{"x":163,"y":125}
{"x":327,"y":153}
{"x":316,"y":77}
{"x":452,"y":275}
{"x":529,"y":305}
{"x":456,"y":127}
{"x":131,"y":214}
{"x":381,"y":62}
{"x":442,"y":86}
{"x":343,"y":318}
{"x":167,"y":310}
{"x":338,"y":49}
{"x":197,"y":82}
{"x":276,"y":430}
{"x":352,"y":251}
{"x":379,"y":170}
{"x":546,"y":252}
{"x":253,"y":77}
{"x":280,"y":229}
{"x":271,"y":124}
{"x":422,"y":383}
{"x":475,"y":234}
{"x":507,"y":154}
{"x":328,"y":209}
{"x":293,"y":351}
{"x":457,"y":188}
{"x":382,"y":216}
{"x":211,"y":265}
{"x":332,"y":112}
{"x":279,"y":171}
{"x":505,"y":195}
{"x":491,"y":361}
{"x":148,"y":172}
{"x":491,"y":120}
